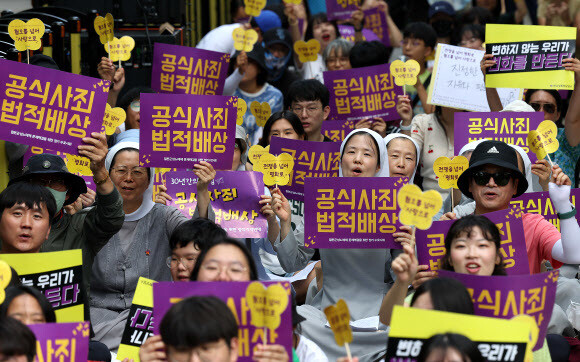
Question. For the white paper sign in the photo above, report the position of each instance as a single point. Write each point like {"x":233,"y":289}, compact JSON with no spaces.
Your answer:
{"x":457,"y":80}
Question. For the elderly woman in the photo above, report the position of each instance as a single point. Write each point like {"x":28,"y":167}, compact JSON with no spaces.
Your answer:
{"x":336,"y":54}
{"x":141,"y":247}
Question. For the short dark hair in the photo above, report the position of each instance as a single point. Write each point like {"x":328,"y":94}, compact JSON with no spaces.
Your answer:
{"x":131,"y":95}
{"x":15,"y":291}
{"x":476,"y":30}
{"x":28,"y":194}
{"x":368,"y":53}
{"x":227,"y":241}
{"x":447,"y":295}
{"x":318,"y":19}
{"x":468,"y":349}
{"x":198,"y":320}
{"x":201,"y":232}
{"x":16,"y":339}
{"x":422,"y":31}
{"x":308,"y":90}
{"x":288,"y":115}
{"x":465,"y":225}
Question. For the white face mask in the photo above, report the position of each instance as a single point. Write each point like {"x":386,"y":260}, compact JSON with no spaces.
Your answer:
{"x":59,"y":197}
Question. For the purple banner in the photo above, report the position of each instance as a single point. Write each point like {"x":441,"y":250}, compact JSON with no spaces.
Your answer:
{"x":49,"y":108}
{"x":234,"y":198}
{"x":509,"y":127}
{"x":376,"y":21}
{"x":65,"y":342}
{"x":180,"y":130}
{"x":186,"y":70}
{"x":431,"y":242}
{"x":311,"y":159}
{"x":506,"y":297}
{"x":362,"y":93}
{"x":340,"y":9}
{"x":347,"y":32}
{"x":351,"y":212}
{"x":541,"y":204}
{"x":337,"y":130}
{"x":165,"y":294}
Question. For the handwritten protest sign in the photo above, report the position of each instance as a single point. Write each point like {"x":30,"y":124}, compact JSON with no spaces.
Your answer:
{"x":49,"y":108}
{"x":506,"y":297}
{"x":26,"y":35}
{"x":310,"y":160}
{"x":58,"y":275}
{"x":234,"y":198}
{"x":66,"y":342}
{"x":347,"y":32}
{"x":233,"y":294}
{"x":362,"y":93}
{"x":541,"y":204}
{"x":431,"y":242}
{"x":543,"y":140}
{"x":186,"y":70}
{"x":448,"y":170}
{"x":120,"y":49}
{"x":75,"y":164}
{"x":337,"y":130}
{"x":418,"y":207}
{"x":457,"y":81}
{"x":139,"y":324}
{"x":529,"y":56}
{"x":376,"y":21}
{"x":341,"y":9}
{"x":497,"y":339}
{"x":508,"y":127}
{"x":352,"y":212}
{"x":179,"y":130}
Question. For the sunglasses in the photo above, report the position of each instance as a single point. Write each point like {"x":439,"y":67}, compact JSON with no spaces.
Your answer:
{"x":501,"y":178}
{"x":547,"y":107}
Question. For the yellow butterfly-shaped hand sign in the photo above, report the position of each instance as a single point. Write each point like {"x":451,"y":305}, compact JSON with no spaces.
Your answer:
{"x":276,"y":169}
{"x":449,"y":170}
{"x":242,"y":108}
{"x":26,"y":35}
{"x":339,"y":319}
{"x":405,"y":73}
{"x":254,"y":7}
{"x":120,"y":49}
{"x":293,"y":1}
{"x":244,"y":39}
{"x":417,"y":207}
{"x":105,"y":27}
{"x":266,"y":305}
{"x":78,"y":165}
{"x":114,"y":117}
{"x":261,"y":111}
{"x":542,"y":141}
{"x":5,"y":277}
{"x":307,"y":51}
{"x":255,"y":153}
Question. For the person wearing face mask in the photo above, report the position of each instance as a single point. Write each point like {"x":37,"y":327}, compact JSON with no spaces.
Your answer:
{"x":278,"y":55}
{"x":441,"y":18}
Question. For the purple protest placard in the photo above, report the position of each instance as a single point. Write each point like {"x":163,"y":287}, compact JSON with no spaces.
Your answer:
{"x":376,"y":21}
{"x":431,"y":242}
{"x":362,"y":93}
{"x":320,"y":159}
{"x":541,"y":204}
{"x":351,"y":212}
{"x":347,"y":32}
{"x":337,"y":130}
{"x":165,"y":294}
{"x":507,"y":296}
{"x":49,"y":108}
{"x":340,"y":9}
{"x":186,"y":70}
{"x":67,"y":342}
{"x":234,"y":198}
{"x":509,"y":127}
{"x":180,"y":130}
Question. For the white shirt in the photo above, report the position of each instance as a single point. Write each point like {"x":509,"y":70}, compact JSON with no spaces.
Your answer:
{"x":308,"y":351}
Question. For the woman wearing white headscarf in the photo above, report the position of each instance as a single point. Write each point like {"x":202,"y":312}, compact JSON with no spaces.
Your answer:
{"x":140,"y":248}
{"x":355,"y":275}
{"x":402,"y":158}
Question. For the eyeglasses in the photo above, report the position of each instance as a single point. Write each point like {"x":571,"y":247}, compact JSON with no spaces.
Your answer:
{"x":500,"y":178}
{"x":214,"y":268}
{"x":136,"y":106}
{"x":309,"y":110}
{"x":136,"y":172}
{"x":546,"y":107}
{"x":173,"y":262}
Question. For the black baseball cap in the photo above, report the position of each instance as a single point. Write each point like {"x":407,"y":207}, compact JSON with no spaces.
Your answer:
{"x":258,"y":55}
{"x":277,"y":36}
{"x":495,"y":153}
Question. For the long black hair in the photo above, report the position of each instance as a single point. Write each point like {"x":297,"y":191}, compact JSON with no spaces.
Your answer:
{"x":447,"y":295}
{"x":227,"y":241}
{"x":287,"y":115}
{"x":16,"y":291}
{"x":443,"y":342}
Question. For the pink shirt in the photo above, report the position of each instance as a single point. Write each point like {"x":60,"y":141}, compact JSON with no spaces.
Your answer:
{"x":540,"y":238}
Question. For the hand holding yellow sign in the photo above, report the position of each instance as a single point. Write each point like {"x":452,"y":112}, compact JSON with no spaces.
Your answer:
{"x":266,"y":305}
{"x":261,"y":111}
{"x":417,"y":207}
{"x":449,"y":170}
{"x":242,"y":108}
{"x":276,"y":169}
{"x":254,"y":7}
{"x":5,"y":277}
{"x":255,"y":153}
{"x":244,"y":39}
{"x":543,"y":140}
{"x":26,"y":35}
{"x":114,"y":117}
{"x":120,"y":49}
{"x":105,"y":28}
{"x":78,"y":165}
{"x":307,"y":51}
